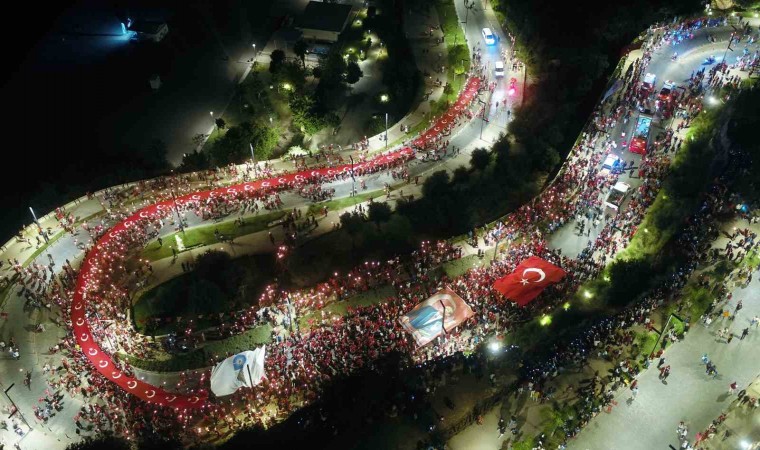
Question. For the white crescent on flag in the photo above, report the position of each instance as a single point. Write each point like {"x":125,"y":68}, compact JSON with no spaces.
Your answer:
{"x":540,"y":272}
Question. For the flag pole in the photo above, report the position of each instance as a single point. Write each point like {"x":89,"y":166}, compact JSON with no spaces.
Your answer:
{"x":443,"y":318}
{"x":250,"y":378}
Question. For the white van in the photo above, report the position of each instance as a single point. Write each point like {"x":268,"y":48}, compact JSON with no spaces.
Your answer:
{"x":617,"y":195}
{"x":498,"y":69}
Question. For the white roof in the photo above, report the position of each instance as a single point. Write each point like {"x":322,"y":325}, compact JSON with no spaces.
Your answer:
{"x":499,"y":65}
{"x":487,"y":30}
{"x":650,"y":78}
{"x":620,"y":186}
{"x":610,"y":159}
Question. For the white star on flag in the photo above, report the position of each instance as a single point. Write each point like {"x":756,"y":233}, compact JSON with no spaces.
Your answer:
{"x":524,"y":281}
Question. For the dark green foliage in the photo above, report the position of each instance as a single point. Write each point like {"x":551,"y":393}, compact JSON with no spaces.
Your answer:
{"x":628,"y":280}
{"x":379,"y":212}
{"x":277,"y":59}
{"x":479,"y":159}
{"x":353,"y":73}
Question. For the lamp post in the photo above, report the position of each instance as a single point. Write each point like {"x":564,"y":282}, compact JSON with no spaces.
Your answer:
{"x":253,"y":159}
{"x":482,"y":117}
{"x":353,"y":178}
{"x":176,"y":209}
{"x":728,"y":47}
{"x":386,"y":130}
{"x":39,"y":227}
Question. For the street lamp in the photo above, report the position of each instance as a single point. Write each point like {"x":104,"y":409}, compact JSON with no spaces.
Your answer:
{"x":386,"y":130}
{"x":384,"y":98}
{"x":39,"y":227}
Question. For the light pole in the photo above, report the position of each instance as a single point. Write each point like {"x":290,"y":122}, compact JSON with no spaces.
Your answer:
{"x":386,"y":130}
{"x":353,"y":178}
{"x":213,"y":122}
{"x":728,"y":47}
{"x":253,"y":158}
{"x":39,"y":227}
{"x":176,"y":209}
{"x":482,"y":117}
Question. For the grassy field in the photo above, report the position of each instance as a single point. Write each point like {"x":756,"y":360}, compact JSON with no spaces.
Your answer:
{"x":200,"y":357}
{"x":192,"y":294}
{"x":373,"y":297}
{"x":204,"y":235}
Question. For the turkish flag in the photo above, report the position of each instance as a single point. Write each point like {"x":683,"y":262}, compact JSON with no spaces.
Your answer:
{"x":528,"y":280}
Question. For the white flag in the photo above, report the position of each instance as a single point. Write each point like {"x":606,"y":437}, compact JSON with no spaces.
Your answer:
{"x":245,"y":369}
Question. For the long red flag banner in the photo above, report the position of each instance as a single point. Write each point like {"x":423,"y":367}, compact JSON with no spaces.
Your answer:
{"x":91,"y":273}
{"x":528,"y":280}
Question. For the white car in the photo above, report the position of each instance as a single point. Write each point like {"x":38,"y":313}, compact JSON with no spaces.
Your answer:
{"x":498,"y":69}
{"x":488,"y":36}
{"x":611,"y":163}
{"x":617,"y":195}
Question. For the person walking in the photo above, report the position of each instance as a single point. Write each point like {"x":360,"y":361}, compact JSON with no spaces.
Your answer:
{"x":745,"y":332}
{"x":732,"y":387}
{"x":660,"y":363}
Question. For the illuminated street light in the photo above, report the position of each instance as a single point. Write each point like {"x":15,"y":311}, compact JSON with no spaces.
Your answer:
{"x":712,"y":100}
{"x":494,"y":346}
{"x":566,"y":306}
{"x":384,"y":98}
{"x":587,"y":294}
{"x":545,"y":320}
{"x":286,"y":86}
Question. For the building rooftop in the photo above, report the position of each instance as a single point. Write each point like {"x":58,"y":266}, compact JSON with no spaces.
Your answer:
{"x":324,"y":16}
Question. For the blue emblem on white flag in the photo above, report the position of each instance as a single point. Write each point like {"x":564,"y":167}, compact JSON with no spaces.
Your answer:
{"x":239,"y":361}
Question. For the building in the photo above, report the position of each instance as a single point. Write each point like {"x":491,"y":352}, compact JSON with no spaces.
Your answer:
{"x":323,"y":22}
{"x":149,"y":31}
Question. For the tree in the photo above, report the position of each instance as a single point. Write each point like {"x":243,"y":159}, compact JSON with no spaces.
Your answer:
{"x":379,"y":212}
{"x":352,"y":223}
{"x":234,"y":145}
{"x":100,"y":442}
{"x":353,"y":72}
{"x":220,"y":123}
{"x":277,"y":59}
{"x":151,"y":158}
{"x":479,"y":159}
{"x":300,"y":48}
{"x":264,"y":140}
{"x":194,"y":161}
{"x":628,"y":279}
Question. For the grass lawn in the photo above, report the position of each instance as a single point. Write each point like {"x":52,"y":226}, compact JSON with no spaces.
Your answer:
{"x":205,"y":234}
{"x":192,"y":294}
{"x":373,"y":297}
{"x":458,"y":267}
{"x":200,"y":357}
